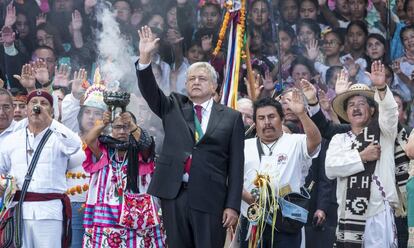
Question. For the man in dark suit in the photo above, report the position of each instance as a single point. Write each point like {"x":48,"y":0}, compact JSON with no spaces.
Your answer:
{"x":199,"y":173}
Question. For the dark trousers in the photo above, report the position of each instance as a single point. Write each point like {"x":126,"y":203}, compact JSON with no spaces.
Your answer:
{"x":402,"y":231}
{"x":281,"y":239}
{"x":189,"y":228}
{"x":324,"y":237}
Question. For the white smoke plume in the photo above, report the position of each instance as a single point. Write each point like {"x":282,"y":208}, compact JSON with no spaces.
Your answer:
{"x":116,"y":56}
{"x":117,"y":63}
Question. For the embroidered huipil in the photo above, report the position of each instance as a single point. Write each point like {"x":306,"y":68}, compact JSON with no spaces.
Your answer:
{"x":342,"y":161}
{"x":103,"y":205}
{"x":49,"y":175}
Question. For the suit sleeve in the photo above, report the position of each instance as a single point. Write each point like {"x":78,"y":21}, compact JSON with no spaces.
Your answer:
{"x":325,"y":186}
{"x":156,"y":99}
{"x":327,"y":128}
{"x":236,"y":166}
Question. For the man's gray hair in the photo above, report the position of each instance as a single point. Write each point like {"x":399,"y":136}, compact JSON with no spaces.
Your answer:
{"x":210,"y":69}
{"x":4,"y":92}
{"x":245,"y":101}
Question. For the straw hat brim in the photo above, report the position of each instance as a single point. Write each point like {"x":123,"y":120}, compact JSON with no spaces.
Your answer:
{"x":338,"y":101}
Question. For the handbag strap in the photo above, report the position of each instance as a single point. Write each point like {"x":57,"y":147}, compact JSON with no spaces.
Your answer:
{"x":33,"y":164}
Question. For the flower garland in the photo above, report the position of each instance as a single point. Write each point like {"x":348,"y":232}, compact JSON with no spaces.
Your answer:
{"x":78,"y":189}
{"x":77,"y":175}
{"x":236,"y":11}
{"x":222,"y":33}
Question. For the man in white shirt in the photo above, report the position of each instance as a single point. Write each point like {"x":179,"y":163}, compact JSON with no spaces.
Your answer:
{"x":44,"y":224}
{"x":6,"y":114}
{"x":286,"y":158}
{"x":363,"y":167}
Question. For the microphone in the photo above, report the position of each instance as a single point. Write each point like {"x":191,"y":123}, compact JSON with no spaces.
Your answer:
{"x":36,"y":109}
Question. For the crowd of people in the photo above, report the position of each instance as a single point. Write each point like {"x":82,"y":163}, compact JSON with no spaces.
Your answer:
{"x":325,"y":108}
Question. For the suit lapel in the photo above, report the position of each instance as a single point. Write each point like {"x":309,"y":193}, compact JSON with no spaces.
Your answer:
{"x":215,"y":117}
{"x":188,"y":113}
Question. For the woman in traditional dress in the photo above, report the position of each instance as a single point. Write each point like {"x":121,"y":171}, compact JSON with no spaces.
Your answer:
{"x":86,"y":115}
{"x":116,"y":215}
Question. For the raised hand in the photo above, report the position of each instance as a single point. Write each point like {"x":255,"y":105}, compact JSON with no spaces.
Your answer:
{"x":62,"y":75}
{"x":257,"y":87}
{"x":296,"y":103}
{"x":377,"y":74}
{"x":79,"y":77}
{"x":41,"y":72}
{"x":10,"y":19}
{"x":41,"y":18}
{"x":7,"y":36}
{"x":312,"y":50}
{"x":324,"y":101}
{"x":353,"y":67}
{"x":342,"y":82}
{"x":309,"y":91}
{"x":147,"y":44}
{"x":1,"y":83}
{"x":268,"y":83}
{"x":27,"y":77}
{"x":174,"y":37}
{"x":76,"y":20}
{"x":396,"y":66}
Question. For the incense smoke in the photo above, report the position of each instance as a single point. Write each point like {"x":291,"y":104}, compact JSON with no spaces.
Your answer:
{"x":116,"y":61}
{"x":116,"y":54}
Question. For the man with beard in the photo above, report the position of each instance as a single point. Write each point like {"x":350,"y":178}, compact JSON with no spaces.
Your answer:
{"x":289,"y":155}
{"x":45,"y":205}
{"x":362,"y":162}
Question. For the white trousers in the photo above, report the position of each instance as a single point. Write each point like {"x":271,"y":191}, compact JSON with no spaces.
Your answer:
{"x":42,"y":233}
{"x":380,"y":230}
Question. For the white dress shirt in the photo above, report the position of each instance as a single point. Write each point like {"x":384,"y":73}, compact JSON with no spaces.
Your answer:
{"x":49,"y":175}
{"x":288,"y":164}
{"x":342,"y":161}
{"x":205,"y":113}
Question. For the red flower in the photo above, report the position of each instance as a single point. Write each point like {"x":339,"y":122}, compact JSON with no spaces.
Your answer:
{"x":114,"y":240}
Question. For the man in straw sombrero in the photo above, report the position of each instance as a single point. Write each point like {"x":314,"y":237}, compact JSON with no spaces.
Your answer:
{"x":362,"y":162}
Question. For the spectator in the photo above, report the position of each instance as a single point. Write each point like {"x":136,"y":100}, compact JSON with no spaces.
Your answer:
{"x":122,"y":172}
{"x":20,"y":107}
{"x":289,"y":11}
{"x":291,"y":153}
{"x":358,"y":107}
{"x":45,"y":200}
{"x":6,"y":115}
